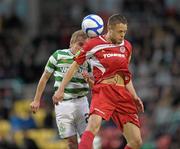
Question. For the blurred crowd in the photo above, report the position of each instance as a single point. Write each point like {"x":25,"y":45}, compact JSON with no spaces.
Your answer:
{"x":155,"y":34}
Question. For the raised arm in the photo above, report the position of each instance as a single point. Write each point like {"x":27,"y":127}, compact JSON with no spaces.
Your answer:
{"x":59,"y":94}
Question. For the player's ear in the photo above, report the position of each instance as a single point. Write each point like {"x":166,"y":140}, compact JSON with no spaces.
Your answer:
{"x":110,"y":28}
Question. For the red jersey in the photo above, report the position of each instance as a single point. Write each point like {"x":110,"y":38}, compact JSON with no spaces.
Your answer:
{"x":106,"y":59}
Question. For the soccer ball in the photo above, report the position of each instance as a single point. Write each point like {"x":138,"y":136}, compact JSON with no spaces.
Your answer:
{"x":92,"y":25}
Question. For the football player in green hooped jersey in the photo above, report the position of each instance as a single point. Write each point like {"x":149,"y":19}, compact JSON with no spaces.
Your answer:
{"x":72,"y":113}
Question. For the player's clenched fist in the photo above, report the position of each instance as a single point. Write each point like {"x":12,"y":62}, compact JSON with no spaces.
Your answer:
{"x":34,"y":106}
{"x":58,"y":96}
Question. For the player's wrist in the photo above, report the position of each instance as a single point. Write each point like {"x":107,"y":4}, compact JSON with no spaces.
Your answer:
{"x":136,"y":97}
{"x":60,"y":89}
{"x":37,"y":100}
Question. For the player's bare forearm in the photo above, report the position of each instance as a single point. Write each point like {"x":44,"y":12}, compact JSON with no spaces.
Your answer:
{"x":91,"y":83}
{"x":138,"y":101}
{"x":40,"y":88}
{"x":58,"y":96}
{"x":130,"y":88}
{"x":41,"y":85}
{"x":69,"y":74}
{"x":88,"y":78}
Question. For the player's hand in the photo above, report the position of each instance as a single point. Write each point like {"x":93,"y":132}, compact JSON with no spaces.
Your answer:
{"x":34,"y":105}
{"x":139,"y":104}
{"x":58,"y":96}
{"x":85,"y":75}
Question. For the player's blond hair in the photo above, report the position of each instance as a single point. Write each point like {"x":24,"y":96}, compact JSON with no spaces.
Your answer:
{"x":78,"y":36}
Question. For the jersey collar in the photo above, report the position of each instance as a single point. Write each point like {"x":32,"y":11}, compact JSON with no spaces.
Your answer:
{"x":102,"y":37}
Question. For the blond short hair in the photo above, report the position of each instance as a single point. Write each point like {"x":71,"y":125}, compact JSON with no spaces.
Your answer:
{"x":78,"y":36}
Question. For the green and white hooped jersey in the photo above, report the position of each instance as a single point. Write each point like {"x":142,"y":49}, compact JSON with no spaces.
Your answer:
{"x":58,"y":63}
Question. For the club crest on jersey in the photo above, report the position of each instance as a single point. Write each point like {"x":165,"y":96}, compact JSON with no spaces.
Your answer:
{"x":122,"y":49}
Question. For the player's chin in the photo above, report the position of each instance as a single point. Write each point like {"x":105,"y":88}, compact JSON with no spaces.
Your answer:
{"x":118,"y":41}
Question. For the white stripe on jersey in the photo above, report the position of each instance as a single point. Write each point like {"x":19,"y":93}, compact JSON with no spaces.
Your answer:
{"x":100,"y":47}
{"x":49,"y":70}
{"x":61,"y":74}
{"x":95,"y":62}
{"x":53,"y":60}
{"x":72,"y":85}
{"x":107,"y":41}
{"x":102,"y":38}
{"x":64,"y":56}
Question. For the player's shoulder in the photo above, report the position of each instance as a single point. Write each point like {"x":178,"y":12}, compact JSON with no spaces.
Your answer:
{"x":61,"y":52}
{"x":95,"y":41}
{"x":128,"y":45}
{"x":58,"y":52}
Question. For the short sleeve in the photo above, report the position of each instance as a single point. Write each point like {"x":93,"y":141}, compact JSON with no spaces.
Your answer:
{"x":129,"y":49}
{"x":51,"y":63}
{"x":81,"y":58}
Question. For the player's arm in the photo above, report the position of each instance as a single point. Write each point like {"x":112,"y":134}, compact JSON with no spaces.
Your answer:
{"x":39,"y":90}
{"x":88,"y":79}
{"x":131,"y":89}
{"x":90,"y":82}
{"x":130,"y":86}
{"x":138,"y":101}
{"x":59,"y":94}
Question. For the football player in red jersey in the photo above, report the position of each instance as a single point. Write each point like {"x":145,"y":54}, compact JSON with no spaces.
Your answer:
{"x":113,"y":93}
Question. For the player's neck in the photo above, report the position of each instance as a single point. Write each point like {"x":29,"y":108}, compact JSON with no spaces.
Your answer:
{"x":110,"y":40}
{"x":107,"y":37}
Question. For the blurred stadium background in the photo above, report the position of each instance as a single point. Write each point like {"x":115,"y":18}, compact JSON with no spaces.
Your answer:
{"x":30,"y":30}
